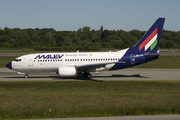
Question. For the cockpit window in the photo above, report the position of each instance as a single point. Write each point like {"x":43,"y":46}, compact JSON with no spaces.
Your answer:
{"x":17,"y":60}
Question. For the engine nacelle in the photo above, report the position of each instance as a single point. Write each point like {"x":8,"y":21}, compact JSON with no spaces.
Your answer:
{"x":67,"y":72}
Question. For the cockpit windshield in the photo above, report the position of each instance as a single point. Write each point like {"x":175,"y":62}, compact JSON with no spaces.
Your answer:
{"x":17,"y":60}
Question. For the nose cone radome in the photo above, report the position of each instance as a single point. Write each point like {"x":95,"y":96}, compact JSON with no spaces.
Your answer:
{"x":9,"y":65}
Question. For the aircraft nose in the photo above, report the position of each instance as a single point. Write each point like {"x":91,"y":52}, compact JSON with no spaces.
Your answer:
{"x":9,"y":65}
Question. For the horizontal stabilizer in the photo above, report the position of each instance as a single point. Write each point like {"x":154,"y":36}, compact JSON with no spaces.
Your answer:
{"x":150,"y":57}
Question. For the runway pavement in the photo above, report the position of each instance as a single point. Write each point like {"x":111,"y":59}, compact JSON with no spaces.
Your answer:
{"x":11,"y":54}
{"x":144,"y":117}
{"x":125,"y":74}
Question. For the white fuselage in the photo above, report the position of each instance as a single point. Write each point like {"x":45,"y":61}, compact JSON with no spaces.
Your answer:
{"x":50,"y":62}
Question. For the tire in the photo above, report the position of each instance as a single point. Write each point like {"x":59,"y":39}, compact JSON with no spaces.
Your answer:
{"x":88,"y":76}
{"x":26,"y":76}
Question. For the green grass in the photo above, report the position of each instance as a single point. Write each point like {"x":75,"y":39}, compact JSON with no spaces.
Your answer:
{"x":6,"y":59}
{"x":164,"y":62}
{"x":26,"y":50}
{"x":167,"y":62}
{"x":88,"y":99}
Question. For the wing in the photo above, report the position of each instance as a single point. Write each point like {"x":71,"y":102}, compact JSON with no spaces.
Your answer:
{"x":93,"y":67}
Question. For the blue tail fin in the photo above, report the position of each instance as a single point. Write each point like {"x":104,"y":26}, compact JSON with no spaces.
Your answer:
{"x":145,"y":50}
{"x":150,"y":41}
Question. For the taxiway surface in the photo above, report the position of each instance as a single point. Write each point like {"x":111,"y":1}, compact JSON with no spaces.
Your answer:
{"x":125,"y":74}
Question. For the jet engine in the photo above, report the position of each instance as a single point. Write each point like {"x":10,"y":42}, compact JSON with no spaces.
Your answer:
{"x":67,"y":72}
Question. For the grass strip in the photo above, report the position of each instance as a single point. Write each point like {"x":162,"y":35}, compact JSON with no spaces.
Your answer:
{"x":30,"y":99}
{"x":6,"y":59}
{"x":164,"y":62}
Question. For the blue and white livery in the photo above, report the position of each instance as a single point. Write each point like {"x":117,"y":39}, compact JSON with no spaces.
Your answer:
{"x":70,"y":64}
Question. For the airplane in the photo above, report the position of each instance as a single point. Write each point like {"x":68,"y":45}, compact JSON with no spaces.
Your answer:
{"x":71,"y":64}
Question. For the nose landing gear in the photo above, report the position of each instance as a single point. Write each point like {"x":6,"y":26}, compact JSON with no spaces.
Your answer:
{"x":26,"y":76}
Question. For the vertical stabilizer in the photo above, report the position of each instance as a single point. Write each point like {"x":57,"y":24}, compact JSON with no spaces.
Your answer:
{"x":150,"y":41}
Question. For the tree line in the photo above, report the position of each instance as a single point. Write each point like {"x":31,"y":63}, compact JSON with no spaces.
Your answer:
{"x":83,"y":39}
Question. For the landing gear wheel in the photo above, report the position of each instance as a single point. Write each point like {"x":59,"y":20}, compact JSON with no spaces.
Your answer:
{"x":26,"y":76}
{"x":87,"y":75}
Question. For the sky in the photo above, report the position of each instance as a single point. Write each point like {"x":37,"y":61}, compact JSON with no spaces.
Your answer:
{"x":70,"y":15}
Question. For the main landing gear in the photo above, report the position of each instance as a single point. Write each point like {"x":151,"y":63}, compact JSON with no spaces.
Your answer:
{"x":87,"y":75}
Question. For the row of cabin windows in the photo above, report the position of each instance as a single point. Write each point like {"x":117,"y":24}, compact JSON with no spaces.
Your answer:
{"x":50,"y":60}
{"x":102,"y":59}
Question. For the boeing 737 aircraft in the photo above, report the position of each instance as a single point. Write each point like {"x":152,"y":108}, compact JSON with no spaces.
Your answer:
{"x":70,"y":64}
